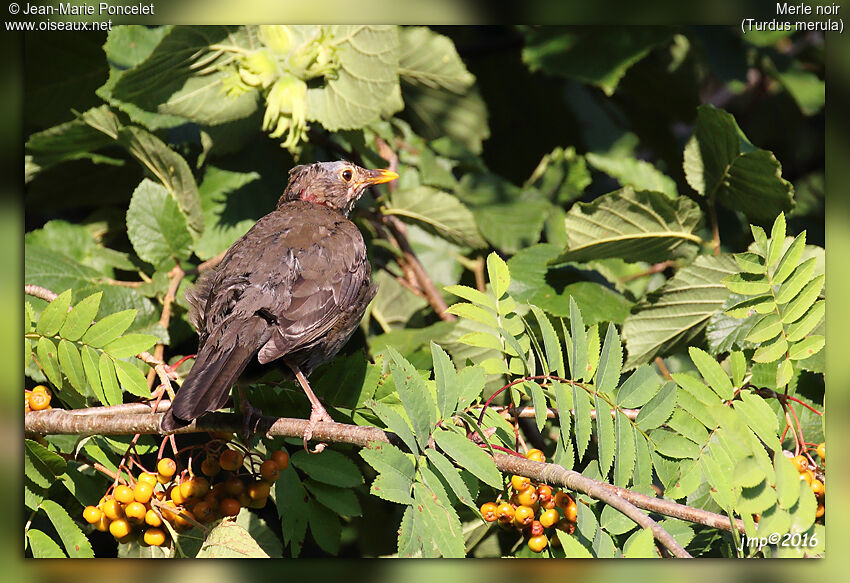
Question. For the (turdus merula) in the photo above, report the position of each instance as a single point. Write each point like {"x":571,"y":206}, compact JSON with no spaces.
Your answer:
{"x":294,"y":287}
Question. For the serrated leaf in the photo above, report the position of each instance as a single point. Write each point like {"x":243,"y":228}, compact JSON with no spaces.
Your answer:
{"x":720,"y":163}
{"x":442,"y":524}
{"x":414,"y":395}
{"x":551,"y":344}
{"x":109,"y":328}
{"x":738,"y":366}
{"x":437,"y":212}
{"x":750,"y":263}
{"x":578,"y":354}
{"x":581,"y":402}
{"x":787,"y":481}
{"x":54,"y":315}
{"x":676,"y":446}
{"x":784,"y":373}
{"x":482,"y":340}
{"x":565,"y":445}
{"x":445,"y":377}
{"x":771,"y":351}
{"x":132,"y":379}
{"x":606,"y":440}
{"x":329,"y":466}
{"x":469,"y":456}
{"x":129,"y":345}
{"x":798,"y":279}
{"x":75,"y":542}
{"x":156,"y":227}
{"x":42,"y":546}
{"x":431,"y":59}
{"x":759,"y":305}
{"x":777,"y":238}
{"x":108,"y":380}
{"x":804,"y":300}
{"x":641,"y":545}
{"x":639,"y":388}
{"x":343,"y":501}
{"x":292,"y":507}
{"x":475,"y":313}
{"x":395,"y":423}
{"x":712,"y":372}
{"x":41,"y":465}
{"x":760,"y":239}
{"x":387,"y":458}
{"x":452,"y":477}
{"x":80,"y":317}
{"x":471,"y":381}
{"x":790,"y":259}
{"x":624,"y":460}
{"x":572,"y":548}
{"x":228,"y":540}
{"x":766,"y":328}
{"x":639,"y":174}
{"x":49,"y":360}
{"x":634,"y":226}
{"x":498,"y":274}
{"x":610,"y":361}
{"x":325,"y":528}
{"x":759,"y":416}
{"x":747,"y":284}
{"x":685,"y":304}
{"x":538,"y":401}
{"x":72,"y":364}
{"x":92,"y":370}
{"x":806,"y":347}
{"x":472,"y":295}
{"x":807,"y":323}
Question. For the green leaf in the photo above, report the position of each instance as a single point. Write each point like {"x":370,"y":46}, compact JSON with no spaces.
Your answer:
{"x":41,"y":465}
{"x":624,"y":460}
{"x":605,"y":435}
{"x":469,"y":456}
{"x":392,"y":487}
{"x":92,"y":370}
{"x":395,"y":423}
{"x":766,"y":328}
{"x":759,"y":305}
{"x":738,"y":365}
{"x":72,"y":364}
{"x":442,"y":524}
{"x":156,"y":227}
{"x":639,"y":388}
{"x":292,"y":507}
{"x":111,"y":391}
{"x":500,"y":277}
{"x":787,"y":481}
{"x":750,"y":263}
{"x":430,"y":59}
{"x":476,"y":313}
{"x":784,"y":373}
{"x":132,"y":379}
{"x":676,"y":446}
{"x":437,"y":212}
{"x":49,"y":360}
{"x":747,"y":284}
{"x":445,"y":377}
{"x":641,"y":545}
{"x":572,"y":548}
{"x":387,"y":458}
{"x":804,"y":300}
{"x":599,"y":57}
{"x":325,"y":528}
{"x":538,"y":400}
{"x":790,"y":259}
{"x":685,"y":304}
{"x":366,"y":79}
{"x":343,"y":501}
{"x":452,"y":476}
{"x":777,"y":238}
{"x":806,"y":347}
{"x":759,"y":417}
{"x":799,"y":278}
{"x":228,"y":540}
{"x":80,"y":317}
{"x":634,"y":226}
{"x":581,"y":402}
{"x":638,"y":174}
{"x":53,"y":316}
{"x":561,"y":176}
{"x":129,"y":345}
{"x":807,"y":323}
{"x":170,"y":168}
{"x":414,"y":395}
{"x":578,"y":354}
{"x":712,"y":372}
{"x":720,"y":163}
{"x":260,"y":531}
{"x":109,"y":328}
{"x":472,"y":295}
{"x":329,"y":466}
{"x":42,"y":546}
{"x":551,"y":344}
{"x":771,"y":351}
{"x":75,"y":542}
{"x":610,"y":361}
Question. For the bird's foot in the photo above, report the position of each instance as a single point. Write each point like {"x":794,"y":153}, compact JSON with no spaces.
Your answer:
{"x":317,"y":415}
{"x":251,"y":418}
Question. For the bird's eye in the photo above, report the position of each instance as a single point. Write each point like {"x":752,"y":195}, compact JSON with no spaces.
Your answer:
{"x":346,"y":175}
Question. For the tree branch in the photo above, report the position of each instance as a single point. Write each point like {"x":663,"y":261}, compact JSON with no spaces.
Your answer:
{"x":125,"y":423}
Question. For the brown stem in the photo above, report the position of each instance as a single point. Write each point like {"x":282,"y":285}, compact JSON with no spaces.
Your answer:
{"x":715,"y":228}
{"x":663,"y":368}
{"x":657,"y":268}
{"x":552,"y":413}
{"x":40,"y":292}
{"x":59,"y":421}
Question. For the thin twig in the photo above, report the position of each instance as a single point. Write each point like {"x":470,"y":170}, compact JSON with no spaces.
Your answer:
{"x":552,"y":413}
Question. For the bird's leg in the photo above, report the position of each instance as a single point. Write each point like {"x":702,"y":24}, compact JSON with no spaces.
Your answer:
{"x":251,"y":415}
{"x":317,"y":412}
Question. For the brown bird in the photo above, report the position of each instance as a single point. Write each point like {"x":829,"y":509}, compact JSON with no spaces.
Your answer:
{"x":294,"y":287}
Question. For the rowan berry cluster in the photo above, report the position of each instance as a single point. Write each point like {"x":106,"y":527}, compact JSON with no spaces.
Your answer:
{"x":38,"y":399}
{"x":533,"y":509}
{"x":812,"y":474}
{"x":224,"y":480}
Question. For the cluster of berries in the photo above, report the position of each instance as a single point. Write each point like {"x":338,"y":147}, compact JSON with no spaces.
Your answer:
{"x":532,"y":508}
{"x":226,"y":483}
{"x":38,"y":399}
{"x":807,"y":473}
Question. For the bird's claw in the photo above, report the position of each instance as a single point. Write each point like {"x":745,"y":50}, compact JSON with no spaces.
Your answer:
{"x":316,"y":416}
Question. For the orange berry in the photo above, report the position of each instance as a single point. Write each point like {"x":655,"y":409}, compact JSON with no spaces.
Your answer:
{"x":535,"y":455}
{"x":92,"y":514}
{"x":210,"y":467}
{"x":41,"y":389}
{"x":259,"y":490}
{"x":176,"y":494}
{"x":538,"y":543}
{"x":549,"y":517}
{"x":103,"y":524}
{"x":203,"y":512}
{"x":142,"y":492}
{"x":180,"y":521}
{"x":808,"y":476}
{"x":571,"y":511}
{"x":520,"y":483}
{"x":230,"y":460}
{"x":39,"y":400}
{"x":562,"y":499}
{"x":818,"y":487}
{"x":523,"y":515}
{"x":119,"y":528}
{"x":147,"y":478}
{"x":545,"y":494}
{"x":152,"y":518}
{"x":269,"y":471}
{"x":229,"y":507}
{"x":488,"y":511}
{"x":536,"y":528}
{"x":112,"y":509}
{"x":820,"y":511}
{"x":505,"y":512}
{"x":135,"y":511}
{"x":822,"y":451}
{"x":281,"y":458}
{"x":800,"y":462}
{"x":166,"y":467}
{"x":527,"y":496}
{"x":234,"y":486}
{"x":154,"y":537}
{"x":124,"y":494}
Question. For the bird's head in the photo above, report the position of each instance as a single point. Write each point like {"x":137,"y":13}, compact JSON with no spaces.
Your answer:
{"x":336,"y":185}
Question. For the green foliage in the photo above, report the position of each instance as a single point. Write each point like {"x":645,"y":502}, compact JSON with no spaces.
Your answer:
{"x":614,"y":290}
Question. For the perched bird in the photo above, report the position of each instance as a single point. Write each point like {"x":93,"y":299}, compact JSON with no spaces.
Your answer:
{"x":294,"y":287}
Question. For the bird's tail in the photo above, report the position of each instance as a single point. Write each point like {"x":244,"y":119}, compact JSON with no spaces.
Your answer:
{"x":222,"y":359}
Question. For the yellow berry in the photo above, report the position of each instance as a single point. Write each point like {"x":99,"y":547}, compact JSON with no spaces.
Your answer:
{"x":210,"y":467}
{"x":505,"y":512}
{"x":808,"y":476}
{"x":820,"y":511}
{"x":154,"y":537}
{"x":520,"y":483}
{"x":152,"y":518}
{"x":527,"y":496}
{"x":142,"y":492}
{"x":538,"y":543}
{"x":818,"y":487}
{"x":549,"y":518}
{"x":39,"y":400}
{"x":801,"y":463}
{"x":523,"y":516}
{"x":124,"y":494}
{"x":92,"y":515}
{"x":166,"y":467}
{"x":119,"y":528}
{"x":135,"y":511}
{"x":488,"y":511}
{"x":147,"y":478}
{"x":535,"y":455}
{"x":112,"y":509}
{"x":822,"y":451}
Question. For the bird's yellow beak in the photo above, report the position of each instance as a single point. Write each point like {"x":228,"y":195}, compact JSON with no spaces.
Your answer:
{"x":381,"y":176}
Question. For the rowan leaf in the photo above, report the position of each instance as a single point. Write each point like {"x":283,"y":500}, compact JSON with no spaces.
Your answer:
{"x":80,"y":317}
{"x":108,"y":329}
{"x":54,"y":315}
